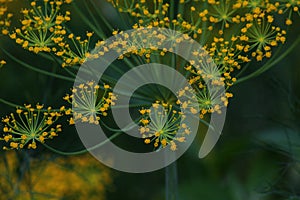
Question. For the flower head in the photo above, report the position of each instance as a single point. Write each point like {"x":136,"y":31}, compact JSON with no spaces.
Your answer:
{"x":163,"y":125}
{"x":41,"y":25}
{"x":262,"y":37}
{"x":89,"y":102}
{"x":30,"y":125}
{"x":2,"y":62}
{"x":207,"y":101}
{"x":73,"y":50}
{"x":5,"y":17}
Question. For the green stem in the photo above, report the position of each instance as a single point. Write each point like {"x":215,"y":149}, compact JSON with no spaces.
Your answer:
{"x":53,"y":58}
{"x":10,"y":104}
{"x":172,"y":10}
{"x":46,"y":56}
{"x":36,"y":69}
{"x":122,"y":17}
{"x":203,"y":27}
{"x":181,"y":9}
{"x":18,"y":106}
{"x":171,"y":180}
{"x":90,"y":12}
{"x":101,"y":16}
{"x":269,"y":64}
{"x":243,"y":70}
{"x":127,"y":128}
{"x":99,"y":32}
{"x":84,"y":150}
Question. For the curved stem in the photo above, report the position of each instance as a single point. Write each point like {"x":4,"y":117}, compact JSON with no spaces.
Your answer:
{"x":84,"y":150}
{"x":100,"y":32}
{"x":127,"y":128}
{"x":91,"y":14}
{"x":269,"y":64}
{"x":243,"y":70}
{"x":18,"y":106}
{"x":36,"y":69}
{"x":53,"y":58}
{"x":10,"y":103}
{"x":101,"y":16}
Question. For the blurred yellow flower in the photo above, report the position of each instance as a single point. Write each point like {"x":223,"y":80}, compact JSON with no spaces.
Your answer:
{"x":77,"y":177}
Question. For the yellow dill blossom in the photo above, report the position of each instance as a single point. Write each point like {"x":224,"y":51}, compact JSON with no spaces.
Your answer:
{"x":217,"y":69}
{"x":5,"y":17}
{"x":89,"y":101}
{"x":30,"y":125}
{"x":234,"y":34}
{"x":161,"y":126}
{"x":226,"y":55}
{"x":141,"y":8}
{"x":2,"y":62}
{"x":5,"y":21}
{"x":42,"y":23}
{"x":263,"y":37}
{"x":207,"y":101}
{"x":288,"y":22}
{"x":138,"y":45}
{"x":288,"y":7}
{"x":221,"y":13}
{"x":251,"y":21}
{"x":73,"y":50}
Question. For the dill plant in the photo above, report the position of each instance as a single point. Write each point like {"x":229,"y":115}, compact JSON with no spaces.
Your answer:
{"x":236,"y":34}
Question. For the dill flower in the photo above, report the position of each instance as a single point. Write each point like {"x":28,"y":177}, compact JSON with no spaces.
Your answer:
{"x":5,"y":21}
{"x":289,"y":7}
{"x":74,"y":50}
{"x":233,"y":33}
{"x":2,"y":62}
{"x":141,"y":9}
{"x":221,"y":13}
{"x":162,"y":126}
{"x":262,"y":37}
{"x":207,"y":101}
{"x":4,"y":17}
{"x":142,"y":45}
{"x":89,"y":102}
{"x":252,"y":21}
{"x":42,"y":24}
{"x":30,"y":125}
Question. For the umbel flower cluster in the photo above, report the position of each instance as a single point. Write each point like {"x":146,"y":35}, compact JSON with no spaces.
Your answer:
{"x":30,"y":125}
{"x":5,"y":17}
{"x":40,"y":27}
{"x":4,"y":22}
{"x":232,"y":33}
{"x":161,"y":126}
{"x":87,"y":106}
